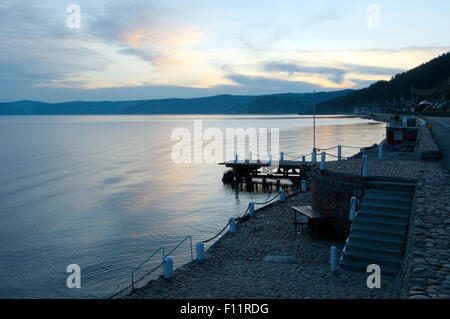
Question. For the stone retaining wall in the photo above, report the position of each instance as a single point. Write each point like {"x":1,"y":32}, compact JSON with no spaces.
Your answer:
{"x":426,"y":148}
{"x":426,"y":267}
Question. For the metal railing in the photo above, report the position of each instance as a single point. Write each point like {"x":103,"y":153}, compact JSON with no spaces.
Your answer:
{"x":139,"y":267}
{"x":179,"y":244}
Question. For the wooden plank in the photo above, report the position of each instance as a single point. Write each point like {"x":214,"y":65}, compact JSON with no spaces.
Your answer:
{"x":309,"y":212}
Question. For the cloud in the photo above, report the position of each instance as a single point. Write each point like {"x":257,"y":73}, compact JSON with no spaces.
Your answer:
{"x":36,"y":50}
{"x":146,"y":30}
{"x":334,"y":74}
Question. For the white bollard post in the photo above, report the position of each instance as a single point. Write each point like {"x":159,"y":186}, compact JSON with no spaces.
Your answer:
{"x":322,"y":161}
{"x":314,"y":156}
{"x":352,"y":208}
{"x":250,"y":156}
{"x":251,"y":209}
{"x":232,"y":225}
{"x":236,"y":158}
{"x":167,"y":267}
{"x":303,"y":186}
{"x":365,"y":164}
{"x":282,"y":195}
{"x":303,"y":159}
{"x":333,"y":259}
{"x":200,"y":251}
{"x":339,"y":152}
{"x":281,"y":156}
{"x":380,"y":152}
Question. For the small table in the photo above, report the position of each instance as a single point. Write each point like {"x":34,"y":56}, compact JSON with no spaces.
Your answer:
{"x":314,"y":217}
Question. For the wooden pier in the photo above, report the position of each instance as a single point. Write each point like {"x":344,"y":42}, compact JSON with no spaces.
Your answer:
{"x":252,"y":172}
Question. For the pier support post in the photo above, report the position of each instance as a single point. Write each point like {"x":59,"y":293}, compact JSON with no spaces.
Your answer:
{"x":281,"y":156}
{"x":380,"y":152}
{"x":270,"y":160}
{"x":303,"y":159}
{"x":352,"y":208}
{"x":250,"y":156}
{"x":333,"y":259}
{"x":167,"y":267}
{"x":232,"y":225}
{"x":365,"y":164}
{"x":236,"y":158}
{"x":200,"y":251}
{"x":282,"y":195}
{"x":322,"y":161}
{"x":251,"y":209}
{"x":303,"y":186}
{"x":314,"y":156}
{"x":339,"y":152}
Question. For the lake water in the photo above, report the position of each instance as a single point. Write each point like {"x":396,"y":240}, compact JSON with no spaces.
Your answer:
{"x":102,"y":192}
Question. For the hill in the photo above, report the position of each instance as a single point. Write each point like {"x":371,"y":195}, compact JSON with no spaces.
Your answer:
{"x":220,"y":104}
{"x":429,"y":80}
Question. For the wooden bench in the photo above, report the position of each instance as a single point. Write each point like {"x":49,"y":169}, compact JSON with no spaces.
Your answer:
{"x":314,"y":217}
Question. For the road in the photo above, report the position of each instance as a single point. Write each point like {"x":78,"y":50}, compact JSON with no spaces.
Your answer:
{"x":441,"y":134}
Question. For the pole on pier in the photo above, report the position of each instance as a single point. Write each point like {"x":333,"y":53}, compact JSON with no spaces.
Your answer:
{"x":167,"y":267}
{"x":303,"y":159}
{"x":339,"y":152}
{"x":333,"y":259}
{"x":251,"y":209}
{"x":365,"y":164}
{"x":236,"y":158}
{"x":281,"y":156}
{"x":270,"y":159}
{"x":232,"y":225}
{"x":380,"y":152}
{"x":303,"y":186}
{"x":200,"y":251}
{"x":314,"y":121}
{"x":282,"y":195}
{"x":322,"y":161}
{"x":314,"y":156}
{"x":250,"y":156}
{"x":352,"y":208}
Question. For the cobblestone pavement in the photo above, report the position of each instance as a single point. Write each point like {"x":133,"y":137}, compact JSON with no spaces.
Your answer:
{"x":236,"y":267}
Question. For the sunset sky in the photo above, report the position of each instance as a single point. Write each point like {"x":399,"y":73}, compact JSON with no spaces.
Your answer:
{"x":147,"y":49}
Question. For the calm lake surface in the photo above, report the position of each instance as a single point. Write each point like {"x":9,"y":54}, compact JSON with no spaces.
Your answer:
{"x":102,"y":192}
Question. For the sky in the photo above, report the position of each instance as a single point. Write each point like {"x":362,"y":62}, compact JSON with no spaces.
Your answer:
{"x":144,"y":49}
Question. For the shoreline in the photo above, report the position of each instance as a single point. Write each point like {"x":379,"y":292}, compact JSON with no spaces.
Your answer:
{"x":266,"y":258}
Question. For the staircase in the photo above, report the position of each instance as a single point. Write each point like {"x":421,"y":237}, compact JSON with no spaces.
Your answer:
{"x":379,"y":230}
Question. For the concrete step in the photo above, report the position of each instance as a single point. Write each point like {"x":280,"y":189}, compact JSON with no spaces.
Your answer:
{"x":377,"y":212}
{"x":389,"y":185}
{"x":400,"y":197}
{"x":384,"y":205}
{"x":373,"y":220}
{"x":372,"y":248}
{"x":373,"y":258}
{"x":392,"y":242}
{"x":362,"y":266}
{"x":379,"y":231}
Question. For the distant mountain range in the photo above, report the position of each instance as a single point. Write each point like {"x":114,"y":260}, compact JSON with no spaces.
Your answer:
{"x":430,"y":80}
{"x":221,"y":104}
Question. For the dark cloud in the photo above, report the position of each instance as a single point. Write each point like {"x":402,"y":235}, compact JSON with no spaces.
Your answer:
{"x":334,"y":74}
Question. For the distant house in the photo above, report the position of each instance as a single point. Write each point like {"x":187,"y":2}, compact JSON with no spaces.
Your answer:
{"x":443,"y":107}
{"x":423,"y":106}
